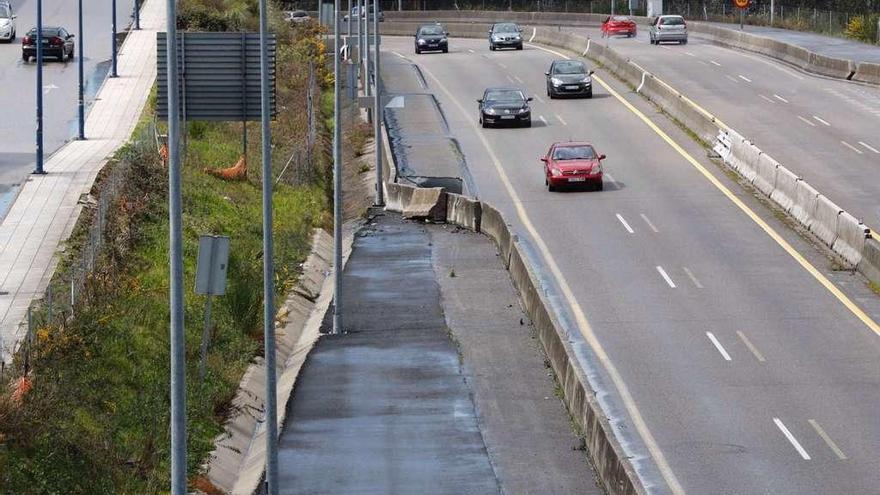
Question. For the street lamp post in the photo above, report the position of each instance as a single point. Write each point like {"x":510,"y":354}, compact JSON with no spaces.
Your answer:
{"x":377,"y":113}
{"x":80,"y":97}
{"x":337,"y":177}
{"x":39,"y":168}
{"x":113,"y":72}
{"x":367,"y":68}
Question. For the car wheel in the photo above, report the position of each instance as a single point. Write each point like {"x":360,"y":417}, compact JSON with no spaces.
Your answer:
{"x":684,"y":42}
{"x":70,"y":55}
{"x":26,"y":58}
{"x":590,"y":93}
{"x":446,"y":50}
{"x":600,"y":186}
{"x":551,"y":187}
{"x":491,"y":47}
{"x":519,"y":47}
{"x":418,"y":52}
{"x":527,"y":123}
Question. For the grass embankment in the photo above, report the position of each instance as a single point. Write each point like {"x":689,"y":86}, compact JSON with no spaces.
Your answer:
{"x":96,"y":418}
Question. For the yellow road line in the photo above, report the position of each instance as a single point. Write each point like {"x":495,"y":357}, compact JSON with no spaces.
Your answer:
{"x":822,"y":279}
{"x":580,"y":317}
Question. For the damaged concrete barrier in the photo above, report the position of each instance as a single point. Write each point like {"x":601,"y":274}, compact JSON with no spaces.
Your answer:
{"x":831,"y":67}
{"x":743,"y":156}
{"x":464,"y":211}
{"x":493,"y":225}
{"x":867,"y":72}
{"x":851,"y":236}
{"x":804,"y":207}
{"x":870,"y":262}
{"x":427,"y":203}
{"x":825,"y":224}
{"x":785,"y":190}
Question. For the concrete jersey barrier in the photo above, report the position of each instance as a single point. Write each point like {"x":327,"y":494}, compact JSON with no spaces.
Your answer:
{"x":851,"y":236}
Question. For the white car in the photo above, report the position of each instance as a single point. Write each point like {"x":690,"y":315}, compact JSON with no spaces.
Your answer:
{"x":7,"y":22}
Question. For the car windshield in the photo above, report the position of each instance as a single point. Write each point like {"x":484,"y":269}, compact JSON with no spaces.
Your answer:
{"x":504,"y":95}
{"x":47,"y":32}
{"x":431,"y":30}
{"x":505,"y":28}
{"x":4,"y":12}
{"x":574,"y":153}
{"x":569,"y":67}
{"x":299,"y":13}
{"x":620,"y":18}
{"x":672,"y":21}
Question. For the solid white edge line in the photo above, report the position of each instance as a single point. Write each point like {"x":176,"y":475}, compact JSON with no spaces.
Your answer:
{"x":510,"y":79}
{"x":587,"y":49}
{"x":715,"y":63}
{"x":560,"y":119}
{"x":806,"y":121}
{"x":866,"y":145}
{"x":822,"y":121}
{"x":780,"y":98}
{"x":471,"y":50}
{"x":718,"y":346}
{"x":744,"y":78}
{"x":399,"y":55}
{"x":692,"y":277}
{"x":767,"y":99}
{"x":851,"y":147}
{"x":583,"y":324}
{"x":519,"y":80}
{"x":828,"y":441}
{"x":791,"y":439}
{"x":534,"y":32}
{"x":665,"y":276}
{"x":648,"y":221}
{"x":689,"y":54}
{"x":751,"y":347}
{"x":625,"y":225}
{"x":539,"y":99}
{"x":544,"y":120}
{"x":644,"y":75}
{"x":609,"y":178}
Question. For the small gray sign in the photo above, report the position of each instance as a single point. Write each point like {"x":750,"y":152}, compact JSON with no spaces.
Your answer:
{"x":212,"y":265}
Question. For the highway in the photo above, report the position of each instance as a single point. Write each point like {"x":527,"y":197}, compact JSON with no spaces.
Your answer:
{"x":18,"y":84}
{"x":740,"y":370}
{"x":824,"y":130}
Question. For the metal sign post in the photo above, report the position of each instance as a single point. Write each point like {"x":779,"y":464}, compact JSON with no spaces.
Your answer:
{"x":377,"y":113}
{"x":81,"y":103}
{"x":211,"y":268}
{"x":113,"y":72}
{"x":742,"y":5}
{"x":39,"y":167}
{"x":337,"y":179}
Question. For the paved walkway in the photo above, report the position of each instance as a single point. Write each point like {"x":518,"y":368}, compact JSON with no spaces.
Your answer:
{"x":47,"y":208}
{"x":817,"y":43}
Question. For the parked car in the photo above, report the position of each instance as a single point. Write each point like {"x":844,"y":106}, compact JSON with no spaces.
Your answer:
{"x":569,"y":78}
{"x":431,"y":37}
{"x":505,"y":35}
{"x":668,"y":28}
{"x":614,"y":25}
{"x":356,"y":14}
{"x":57,"y":42}
{"x":572,"y":164}
{"x":505,"y":106}
{"x":7,"y":22}
{"x":296,"y":16}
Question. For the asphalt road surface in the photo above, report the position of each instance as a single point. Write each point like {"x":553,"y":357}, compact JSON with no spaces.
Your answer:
{"x":822,"y":129}
{"x":18,"y":84}
{"x":749,"y":374}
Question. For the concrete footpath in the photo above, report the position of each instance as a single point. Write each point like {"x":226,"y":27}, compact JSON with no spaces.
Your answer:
{"x":437,"y":386}
{"x":47,"y":207}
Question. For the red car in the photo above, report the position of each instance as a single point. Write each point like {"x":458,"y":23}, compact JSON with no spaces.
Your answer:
{"x":572,"y":164}
{"x":618,"y":24}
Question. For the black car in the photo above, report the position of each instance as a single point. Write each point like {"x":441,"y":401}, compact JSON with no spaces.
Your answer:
{"x":505,"y":35}
{"x":431,"y":37}
{"x":505,"y":106}
{"x":569,"y":78}
{"x":57,"y":42}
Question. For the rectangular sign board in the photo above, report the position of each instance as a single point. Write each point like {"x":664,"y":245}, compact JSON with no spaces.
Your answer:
{"x":218,"y":76}
{"x":212,"y":265}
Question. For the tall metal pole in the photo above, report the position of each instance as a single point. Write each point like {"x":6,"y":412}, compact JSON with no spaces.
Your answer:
{"x":178,"y":342}
{"x":367,"y":67}
{"x":137,"y":15}
{"x":113,"y":72}
{"x":268,"y":264}
{"x":337,"y":180}
{"x":360,"y":37}
{"x":80,"y":92}
{"x":348,"y":33}
{"x":39,"y":168}
{"x":772,"y":11}
{"x":377,"y":115}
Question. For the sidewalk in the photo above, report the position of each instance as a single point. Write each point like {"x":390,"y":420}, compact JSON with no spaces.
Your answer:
{"x":47,"y":207}
{"x":437,"y":387}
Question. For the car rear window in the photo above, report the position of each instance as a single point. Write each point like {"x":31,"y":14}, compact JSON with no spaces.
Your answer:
{"x":672,"y":21}
{"x":431,"y":30}
{"x":4,"y":12}
{"x":569,"y":67}
{"x":574,"y":153}
{"x":620,"y":18}
{"x":46,"y":32}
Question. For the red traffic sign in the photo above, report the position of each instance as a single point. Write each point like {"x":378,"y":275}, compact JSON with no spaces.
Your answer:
{"x":743,"y":4}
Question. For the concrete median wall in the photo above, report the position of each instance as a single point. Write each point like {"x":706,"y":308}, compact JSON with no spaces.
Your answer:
{"x":785,"y":191}
{"x":765,"y":178}
{"x":851,"y":236}
{"x":825,"y":224}
{"x":804,"y":207}
{"x":493,"y":225}
{"x":869,"y":73}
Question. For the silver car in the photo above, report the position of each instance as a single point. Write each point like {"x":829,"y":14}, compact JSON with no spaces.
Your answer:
{"x":668,"y":28}
{"x":7,"y":22}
